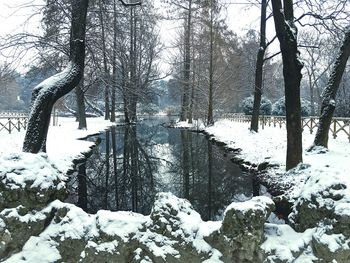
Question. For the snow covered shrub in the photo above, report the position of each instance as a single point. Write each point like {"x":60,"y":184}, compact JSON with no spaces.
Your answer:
{"x":149,"y":108}
{"x":265,"y":106}
{"x":279,"y":107}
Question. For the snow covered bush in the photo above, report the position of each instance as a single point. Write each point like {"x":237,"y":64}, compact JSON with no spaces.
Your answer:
{"x":265,"y":107}
{"x":149,"y":108}
{"x":279,"y":107}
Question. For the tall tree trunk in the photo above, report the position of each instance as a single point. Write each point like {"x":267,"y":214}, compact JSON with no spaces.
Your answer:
{"x":114,"y":63}
{"x":133,"y":62}
{"x":210,"y":117}
{"x":81,"y":114}
{"x":50,"y":90}
{"x":312,"y":96}
{"x":330,"y":93}
{"x":254,"y":125}
{"x":105,"y":64}
{"x":287,"y":36}
{"x":190,"y":112}
{"x":187,"y":66}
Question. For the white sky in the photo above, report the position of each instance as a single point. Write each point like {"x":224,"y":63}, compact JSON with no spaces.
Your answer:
{"x":13,"y":16}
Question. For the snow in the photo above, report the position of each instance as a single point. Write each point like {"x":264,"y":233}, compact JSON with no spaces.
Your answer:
{"x":323,"y":175}
{"x":283,"y":242}
{"x":16,"y":170}
{"x":321,"y":170}
{"x":37,"y":250}
{"x":256,"y":203}
{"x":63,"y":142}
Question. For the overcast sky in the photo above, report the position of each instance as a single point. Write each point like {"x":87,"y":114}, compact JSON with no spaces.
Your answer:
{"x":14,"y":13}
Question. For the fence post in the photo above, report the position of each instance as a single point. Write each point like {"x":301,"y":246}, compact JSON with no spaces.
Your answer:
{"x":9,"y":119}
{"x":334,"y":128}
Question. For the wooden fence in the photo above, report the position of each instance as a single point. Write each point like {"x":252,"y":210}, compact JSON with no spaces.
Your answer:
{"x":339,"y":125}
{"x":15,"y":121}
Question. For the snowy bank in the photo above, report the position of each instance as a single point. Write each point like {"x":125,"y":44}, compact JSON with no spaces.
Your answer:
{"x":317,"y":191}
{"x":173,"y":232}
{"x":64,"y":142}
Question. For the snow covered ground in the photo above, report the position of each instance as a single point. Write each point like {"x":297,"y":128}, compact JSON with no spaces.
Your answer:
{"x":312,"y":180}
{"x":269,"y":145}
{"x":323,"y":175}
{"x":63,"y":144}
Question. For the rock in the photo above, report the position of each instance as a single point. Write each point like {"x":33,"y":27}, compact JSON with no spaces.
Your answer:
{"x":263,"y":166}
{"x":18,"y":225}
{"x":317,"y":205}
{"x":331,"y":247}
{"x":20,"y":186}
{"x":241,"y":233}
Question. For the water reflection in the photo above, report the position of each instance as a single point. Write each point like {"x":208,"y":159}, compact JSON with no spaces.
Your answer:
{"x":133,"y":163}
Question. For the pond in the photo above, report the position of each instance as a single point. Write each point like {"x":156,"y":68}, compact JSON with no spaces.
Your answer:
{"x":132,"y":164}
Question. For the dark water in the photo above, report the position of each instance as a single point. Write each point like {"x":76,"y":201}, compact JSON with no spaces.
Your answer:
{"x":133,"y":163}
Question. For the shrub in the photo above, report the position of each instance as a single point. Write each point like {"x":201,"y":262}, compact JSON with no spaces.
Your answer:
{"x":265,"y":106}
{"x":279,"y":107}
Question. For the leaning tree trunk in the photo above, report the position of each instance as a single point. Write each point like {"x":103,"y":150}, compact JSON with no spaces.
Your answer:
{"x":287,"y":36}
{"x":50,"y":90}
{"x":254,"y":125}
{"x":330,"y":92}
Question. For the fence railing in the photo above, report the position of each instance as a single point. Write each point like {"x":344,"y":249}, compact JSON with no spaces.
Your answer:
{"x":338,"y":124}
{"x":16,"y":121}
{"x":13,"y":123}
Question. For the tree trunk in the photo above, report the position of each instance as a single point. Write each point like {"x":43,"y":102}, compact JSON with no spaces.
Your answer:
{"x":133,"y":85}
{"x":50,"y":90}
{"x":330,"y":92}
{"x":105,"y":66}
{"x":187,"y":66}
{"x":114,"y":82}
{"x":210,"y":118}
{"x":254,"y":125}
{"x":81,"y":114}
{"x":287,"y":36}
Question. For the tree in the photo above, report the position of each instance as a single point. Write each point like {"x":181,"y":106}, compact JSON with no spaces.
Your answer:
{"x":287,"y":35}
{"x":330,"y":92}
{"x":185,"y":10}
{"x":254,"y":125}
{"x":50,"y":90}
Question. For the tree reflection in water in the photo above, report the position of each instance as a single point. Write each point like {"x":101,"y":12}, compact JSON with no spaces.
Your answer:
{"x":133,"y":163}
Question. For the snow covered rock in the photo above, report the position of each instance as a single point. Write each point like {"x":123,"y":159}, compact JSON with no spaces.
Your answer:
{"x":242,"y":230}
{"x":322,"y":200}
{"x":29,"y":180}
{"x":323,"y":204}
{"x":173,"y":232}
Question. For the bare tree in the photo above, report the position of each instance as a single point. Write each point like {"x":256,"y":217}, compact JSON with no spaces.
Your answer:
{"x":287,"y":35}
{"x":254,"y":125}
